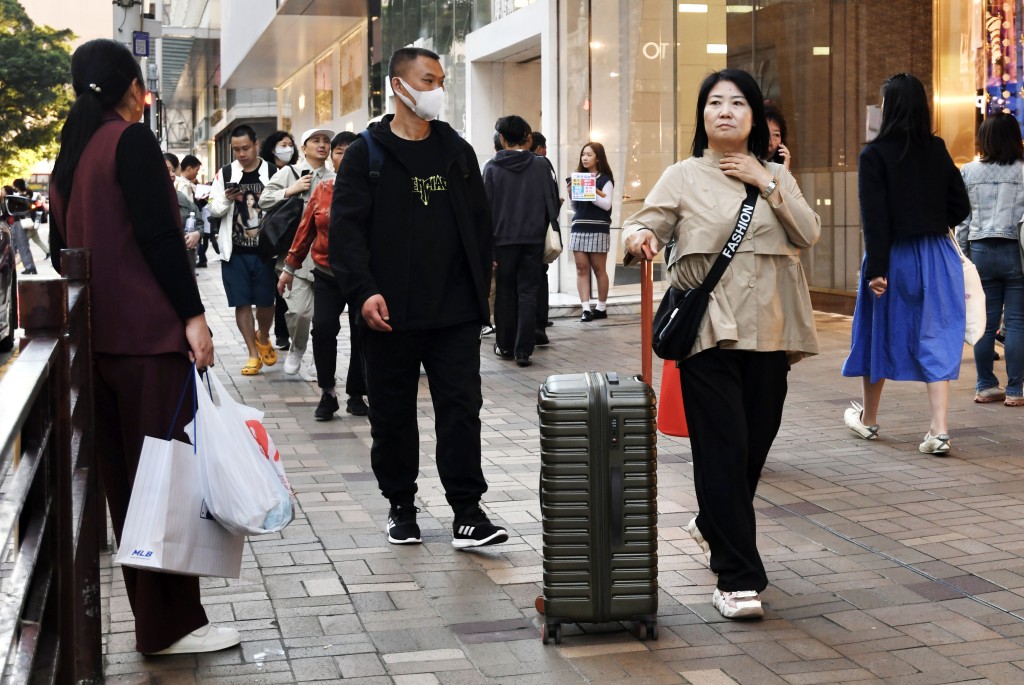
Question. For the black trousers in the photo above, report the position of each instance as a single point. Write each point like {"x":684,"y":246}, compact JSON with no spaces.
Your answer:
{"x":515,"y":301}
{"x":733,"y":401}
{"x":451,"y":358}
{"x":542,"y":300}
{"x":136,"y":396}
{"x":328,"y":305}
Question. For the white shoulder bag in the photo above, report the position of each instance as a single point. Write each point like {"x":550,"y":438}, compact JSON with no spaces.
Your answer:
{"x":975,"y":298}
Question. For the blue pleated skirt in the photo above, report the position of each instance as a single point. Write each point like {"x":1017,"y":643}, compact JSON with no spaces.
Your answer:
{"x":915,"y":331}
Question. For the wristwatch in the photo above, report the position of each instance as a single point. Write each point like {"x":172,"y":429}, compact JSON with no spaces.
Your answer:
{"x":770,"y":188}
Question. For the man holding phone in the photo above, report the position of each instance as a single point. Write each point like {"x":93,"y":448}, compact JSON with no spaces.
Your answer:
{"x":249,"y":279}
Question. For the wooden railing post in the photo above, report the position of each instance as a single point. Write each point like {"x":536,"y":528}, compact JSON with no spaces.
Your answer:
{"x":89,"y":512}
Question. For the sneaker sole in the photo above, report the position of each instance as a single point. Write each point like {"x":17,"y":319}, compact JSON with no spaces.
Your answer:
{"x":410,"y":541}
{"x":857,"y":427}
{"x":494,"y":539}
{"x":323,"y":418}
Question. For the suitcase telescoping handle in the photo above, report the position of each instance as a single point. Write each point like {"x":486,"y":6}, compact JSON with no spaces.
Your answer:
{"x":646,"y":318}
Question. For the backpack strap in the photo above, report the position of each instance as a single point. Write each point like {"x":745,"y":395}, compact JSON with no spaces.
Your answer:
{"x":376,"y":156}
{"x":225,"y":172}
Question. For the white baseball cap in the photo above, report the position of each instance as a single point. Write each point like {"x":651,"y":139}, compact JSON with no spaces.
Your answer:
{"x":313,"y":131}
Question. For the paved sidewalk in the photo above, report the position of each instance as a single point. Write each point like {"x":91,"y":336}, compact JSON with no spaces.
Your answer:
{"x":885,"y":565}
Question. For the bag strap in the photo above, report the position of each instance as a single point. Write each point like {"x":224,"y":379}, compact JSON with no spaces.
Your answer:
{"x":376,"y":157}
{"x":743,"y":221}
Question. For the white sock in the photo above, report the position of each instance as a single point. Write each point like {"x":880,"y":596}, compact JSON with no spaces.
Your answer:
{"x":586,"y":305}
{"x":601,"y":306}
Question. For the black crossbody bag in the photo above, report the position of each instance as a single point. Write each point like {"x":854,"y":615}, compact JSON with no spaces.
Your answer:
{"x":680,"y":313}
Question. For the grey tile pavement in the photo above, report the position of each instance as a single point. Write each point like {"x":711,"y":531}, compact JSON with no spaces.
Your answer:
{"x":885,"y":565}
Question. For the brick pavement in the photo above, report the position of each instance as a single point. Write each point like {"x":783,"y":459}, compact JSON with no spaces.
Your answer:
{"x":885,"y":565}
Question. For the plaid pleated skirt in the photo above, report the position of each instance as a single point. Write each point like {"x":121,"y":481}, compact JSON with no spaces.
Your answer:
{"x":585,"y":241}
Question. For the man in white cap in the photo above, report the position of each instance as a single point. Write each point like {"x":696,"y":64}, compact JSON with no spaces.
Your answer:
{"x":300,"y":179}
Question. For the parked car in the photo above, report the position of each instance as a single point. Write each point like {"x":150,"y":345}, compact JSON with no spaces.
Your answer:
{"x":12,"y":204}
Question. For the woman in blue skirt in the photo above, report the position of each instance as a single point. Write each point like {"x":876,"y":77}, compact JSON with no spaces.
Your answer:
{"x":909,"y":321}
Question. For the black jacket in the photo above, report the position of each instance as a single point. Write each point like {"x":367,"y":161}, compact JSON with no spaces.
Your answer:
{"x":369,"y":239}
{"x":524,"y":197}
{"x":903,"y":194}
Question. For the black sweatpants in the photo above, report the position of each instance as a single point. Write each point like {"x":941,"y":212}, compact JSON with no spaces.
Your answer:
{"x":515,"y":300}
{"x":280,"y":309}
{"x":733,"y":401}
{"x":451,"y":358}
{"x":136,"y":396}
{"x":543,"y":298}
{"x":328,"y":305}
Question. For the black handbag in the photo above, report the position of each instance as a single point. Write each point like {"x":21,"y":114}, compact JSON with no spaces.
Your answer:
{"x":279,"y":225}
{"x":678,"y":319}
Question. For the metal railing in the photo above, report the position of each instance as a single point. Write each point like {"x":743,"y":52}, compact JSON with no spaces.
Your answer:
{"x":52,"y":520}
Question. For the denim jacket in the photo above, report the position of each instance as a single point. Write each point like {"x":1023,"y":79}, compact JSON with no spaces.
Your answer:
{"x":997,"y":202}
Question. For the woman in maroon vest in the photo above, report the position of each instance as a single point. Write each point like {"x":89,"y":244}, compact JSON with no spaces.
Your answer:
{"x":111,"y":193}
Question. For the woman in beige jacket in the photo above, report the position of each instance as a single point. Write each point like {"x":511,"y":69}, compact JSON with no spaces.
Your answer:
{"x":759,"y":318}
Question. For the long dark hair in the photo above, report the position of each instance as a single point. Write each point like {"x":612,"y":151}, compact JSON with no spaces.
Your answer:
{"x":102,"y":70}
{"x":999,"y":140}
{"x":757,"y":142}
{"x":603,"y":167}
{"x":271,"y":141}
{"x":905,"y":110}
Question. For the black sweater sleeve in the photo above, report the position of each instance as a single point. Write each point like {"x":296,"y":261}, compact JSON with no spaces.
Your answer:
{"x":142,"y":175}
{"x":875,"y":219}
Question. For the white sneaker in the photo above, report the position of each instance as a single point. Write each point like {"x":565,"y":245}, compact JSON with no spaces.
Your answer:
{"x":209,"y":638}
{"x":852,"y":419}
{"x":308,"y":372}
{"x":934,"y":444}
{"x":293,"y":361}
{"x":740,"y":604}
{"x":695,"y":533}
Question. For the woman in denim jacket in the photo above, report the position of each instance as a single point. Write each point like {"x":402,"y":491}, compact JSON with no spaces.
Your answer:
{"x":990,"y":236}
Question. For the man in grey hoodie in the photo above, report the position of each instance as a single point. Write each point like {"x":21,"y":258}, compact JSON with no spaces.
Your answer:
{"x":524,"y":200}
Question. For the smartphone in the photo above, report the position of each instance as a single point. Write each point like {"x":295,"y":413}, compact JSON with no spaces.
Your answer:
{"x":778,"y":158}
{"x":230,"y":186}
{"x":305,"y":172}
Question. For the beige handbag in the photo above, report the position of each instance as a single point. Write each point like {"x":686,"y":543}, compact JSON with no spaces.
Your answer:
{"x":975,"y":298}
{"x":552,"y":243}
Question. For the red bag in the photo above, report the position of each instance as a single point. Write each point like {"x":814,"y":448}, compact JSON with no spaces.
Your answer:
{"x":671,"y":416}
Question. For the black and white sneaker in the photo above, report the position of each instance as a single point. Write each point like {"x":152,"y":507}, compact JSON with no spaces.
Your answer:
{"x":402,"y":528}
{"x":472,"y":528}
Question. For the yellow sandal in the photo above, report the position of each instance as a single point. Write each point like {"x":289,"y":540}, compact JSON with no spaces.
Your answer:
{"x":252,"y":367}
{"x":268,"y":355}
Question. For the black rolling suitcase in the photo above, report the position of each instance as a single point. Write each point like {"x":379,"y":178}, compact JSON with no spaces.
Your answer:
{"x":598,"y":496}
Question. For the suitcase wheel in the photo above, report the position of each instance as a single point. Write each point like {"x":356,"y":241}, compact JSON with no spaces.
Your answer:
{"x":647,"y":630}
{"x":549,"y":631}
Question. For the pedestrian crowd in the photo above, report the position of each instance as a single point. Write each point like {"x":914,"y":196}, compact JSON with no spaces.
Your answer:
{"x":428,"y":253}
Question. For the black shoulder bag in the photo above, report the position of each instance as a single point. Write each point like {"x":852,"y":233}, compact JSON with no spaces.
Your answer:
{"x":681,"y":312}
{"x":280,"y":224}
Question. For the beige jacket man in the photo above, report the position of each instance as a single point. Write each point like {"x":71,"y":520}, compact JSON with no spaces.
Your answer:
{"x":762,"y":302}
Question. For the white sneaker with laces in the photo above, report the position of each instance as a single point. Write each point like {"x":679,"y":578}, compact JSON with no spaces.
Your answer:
{"x":935,"y":444}
{"x":293,"y":361}
{"x":739,"y":604}
{"x":852,"y":419}
{"x":209,"y":638}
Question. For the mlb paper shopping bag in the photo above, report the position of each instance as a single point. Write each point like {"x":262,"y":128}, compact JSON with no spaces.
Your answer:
{"x":168,"y":527}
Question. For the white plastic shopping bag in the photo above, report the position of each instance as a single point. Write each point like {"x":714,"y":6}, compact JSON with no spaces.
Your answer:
{"x":168,"y":527}
{"x":245,"y":489}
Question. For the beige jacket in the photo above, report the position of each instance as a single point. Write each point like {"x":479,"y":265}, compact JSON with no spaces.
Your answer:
{"x":762,"y":302}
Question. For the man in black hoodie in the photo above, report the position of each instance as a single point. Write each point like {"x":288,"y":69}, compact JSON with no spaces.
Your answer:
{"x":410,"y":246}
{"x":522,"y":193}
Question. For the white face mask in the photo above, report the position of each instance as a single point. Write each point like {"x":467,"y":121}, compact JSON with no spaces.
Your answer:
{"x":284,"y":153}
{"x":428,"y":102}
